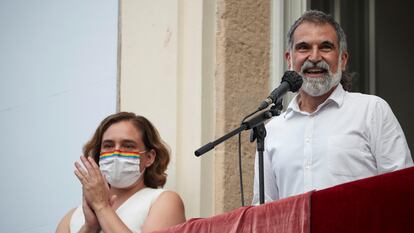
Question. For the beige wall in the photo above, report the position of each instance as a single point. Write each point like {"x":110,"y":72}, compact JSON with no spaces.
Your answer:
{"x":148,"y":70}
{"x":195,"y":68}
{"x":165,"y":76}
{"x":243,"y":59}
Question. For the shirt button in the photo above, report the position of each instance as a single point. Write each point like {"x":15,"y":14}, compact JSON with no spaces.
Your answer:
{"x":307,"y":140}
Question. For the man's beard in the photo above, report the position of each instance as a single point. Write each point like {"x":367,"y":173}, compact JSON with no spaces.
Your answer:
{"x":321,"y":85}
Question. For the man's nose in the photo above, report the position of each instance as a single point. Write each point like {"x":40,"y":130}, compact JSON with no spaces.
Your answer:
{"x":315,"y":55}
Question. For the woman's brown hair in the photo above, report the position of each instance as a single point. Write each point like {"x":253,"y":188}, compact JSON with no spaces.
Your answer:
{"x":154,"y":175}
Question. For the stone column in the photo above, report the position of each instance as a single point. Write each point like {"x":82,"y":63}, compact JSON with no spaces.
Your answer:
{"x":242,"y":76}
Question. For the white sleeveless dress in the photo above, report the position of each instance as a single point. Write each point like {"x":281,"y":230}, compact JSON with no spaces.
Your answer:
{"x":132,"y":212}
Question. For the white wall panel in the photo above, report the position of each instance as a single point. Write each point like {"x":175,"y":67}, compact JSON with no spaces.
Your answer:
{"x":57,"y":82}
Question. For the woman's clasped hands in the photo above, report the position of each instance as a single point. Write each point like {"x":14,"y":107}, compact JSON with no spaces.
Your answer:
{"x":96,"y":195}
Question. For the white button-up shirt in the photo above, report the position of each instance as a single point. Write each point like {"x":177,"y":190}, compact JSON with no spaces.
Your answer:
{"x":350,"y":136}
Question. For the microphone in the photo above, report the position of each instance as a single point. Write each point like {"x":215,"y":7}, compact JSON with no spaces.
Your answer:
{"x":291,"y":81}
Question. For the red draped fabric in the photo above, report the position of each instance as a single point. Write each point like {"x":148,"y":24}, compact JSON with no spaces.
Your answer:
{"x":290,"y":215}
{"x":378,"y":204}
{"x":383,"y":203}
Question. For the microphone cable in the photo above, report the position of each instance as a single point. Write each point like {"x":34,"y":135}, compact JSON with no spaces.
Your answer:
{"x":241,"y":171}
{"x":240,"y":159}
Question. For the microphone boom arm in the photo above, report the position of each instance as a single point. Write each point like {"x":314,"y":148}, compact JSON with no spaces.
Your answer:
{"x":246,"y":125}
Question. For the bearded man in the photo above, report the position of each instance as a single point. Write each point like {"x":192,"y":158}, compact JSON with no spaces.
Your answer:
{"x":327,"y":135}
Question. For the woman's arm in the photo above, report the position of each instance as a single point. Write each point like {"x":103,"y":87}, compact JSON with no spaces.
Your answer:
{"x":166,"y":211}
{"x":64,"y":224}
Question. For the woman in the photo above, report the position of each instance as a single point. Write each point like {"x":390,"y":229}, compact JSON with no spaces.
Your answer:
{"x":122,"y":193}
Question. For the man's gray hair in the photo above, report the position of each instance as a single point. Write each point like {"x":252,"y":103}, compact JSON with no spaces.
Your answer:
{"x":320,"y":18}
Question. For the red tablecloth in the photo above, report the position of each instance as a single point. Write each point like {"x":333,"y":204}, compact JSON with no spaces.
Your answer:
{"x":377,"y":204}
{"x":383,"y":203}
{"x":290,"y":215}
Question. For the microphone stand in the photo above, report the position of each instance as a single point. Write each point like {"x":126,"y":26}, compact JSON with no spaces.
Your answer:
{"x":259,"y":133}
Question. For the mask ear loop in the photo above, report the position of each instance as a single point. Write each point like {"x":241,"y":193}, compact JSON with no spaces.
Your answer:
{"x":142,"y":154}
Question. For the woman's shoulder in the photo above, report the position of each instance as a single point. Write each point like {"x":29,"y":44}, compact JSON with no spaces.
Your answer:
{"x":167,"y":210}
{"x":169,"y":196}
{"x":168,"y":202}
{"x":161,"y":195}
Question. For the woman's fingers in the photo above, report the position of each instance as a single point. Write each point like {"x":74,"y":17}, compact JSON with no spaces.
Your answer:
{"x":81,"y":173}
{"x":95,"y":167}
{"x":91,"y":173}
{"x":88,"y":166}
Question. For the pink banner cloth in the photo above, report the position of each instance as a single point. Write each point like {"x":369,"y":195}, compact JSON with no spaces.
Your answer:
{"x":289,"y":215}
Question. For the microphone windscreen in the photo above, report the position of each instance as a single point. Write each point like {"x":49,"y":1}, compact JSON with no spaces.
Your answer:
{"x":294,"y":79}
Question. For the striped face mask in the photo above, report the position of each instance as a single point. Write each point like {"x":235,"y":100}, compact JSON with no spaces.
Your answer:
{"x":120,"y":168}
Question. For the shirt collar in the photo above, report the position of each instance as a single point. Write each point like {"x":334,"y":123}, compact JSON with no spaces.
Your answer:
{"x":336,"y":97}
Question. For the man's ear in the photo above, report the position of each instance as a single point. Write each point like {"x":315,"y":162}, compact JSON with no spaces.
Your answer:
{"x":344,"y":60}
{"x":288,"y":60}
{"x":150,"y":157}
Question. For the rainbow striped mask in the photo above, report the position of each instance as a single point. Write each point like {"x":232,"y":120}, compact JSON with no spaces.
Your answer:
{"x":121,"y":168}
{"x":121,"y":154}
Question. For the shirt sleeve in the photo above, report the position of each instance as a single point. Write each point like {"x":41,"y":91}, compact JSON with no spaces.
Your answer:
{"x":270,"y":184}
{"x":389,"y":145}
